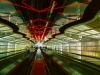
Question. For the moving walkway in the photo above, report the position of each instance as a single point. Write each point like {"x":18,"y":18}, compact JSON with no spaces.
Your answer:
{"x":57,"y":64}
{"x":39,"y":65}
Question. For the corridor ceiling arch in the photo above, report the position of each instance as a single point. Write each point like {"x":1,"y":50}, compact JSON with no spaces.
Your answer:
{"x":37,"y":19}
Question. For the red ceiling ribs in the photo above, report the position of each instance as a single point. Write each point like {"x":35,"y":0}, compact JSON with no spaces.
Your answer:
{"x":39,"y":33}
{"x":48,"y":8}
{"x":34,"y":8}
{"x":71,"y":5}
{"x":33,"y":28}
{"x":27,"y":7}
{"x":42,"y":20}
{"x":36,"y":27}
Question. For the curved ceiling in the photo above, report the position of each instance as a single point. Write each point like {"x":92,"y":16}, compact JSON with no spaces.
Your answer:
{"x":40,"y":19}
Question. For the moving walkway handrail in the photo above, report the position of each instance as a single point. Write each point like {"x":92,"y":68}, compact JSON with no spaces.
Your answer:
{"x":67,"y":73}
{"x":61,"y":69}
{"x":77,"y":54}
{"x":12,"y":51}
{"x":9,"y":56}
{"x":83,"y":62}
{"x":30,"y":68}
{"x":67,"y":54}
{"x":17,"y":66}
{"x":85,"y":55}
{"x":46,"y":66}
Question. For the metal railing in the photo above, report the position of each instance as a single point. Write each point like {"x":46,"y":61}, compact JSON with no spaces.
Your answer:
{"x":4,"y":55}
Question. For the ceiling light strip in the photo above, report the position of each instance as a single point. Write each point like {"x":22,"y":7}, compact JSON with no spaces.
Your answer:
{"x":53,"y":5}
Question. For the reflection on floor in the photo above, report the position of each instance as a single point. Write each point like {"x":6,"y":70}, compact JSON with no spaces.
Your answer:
{"x":38,"y":65}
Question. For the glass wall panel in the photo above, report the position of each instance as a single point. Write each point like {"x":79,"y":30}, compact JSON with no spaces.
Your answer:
{"x":3,"y":49}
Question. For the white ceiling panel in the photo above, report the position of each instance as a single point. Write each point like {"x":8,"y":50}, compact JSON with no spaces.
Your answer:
{"x":92,"y":31}
{"x":4,"y":28}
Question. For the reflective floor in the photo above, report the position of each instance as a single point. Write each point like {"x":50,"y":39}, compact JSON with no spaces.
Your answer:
{"x":38,"y":55}
{"x":38,"y":65}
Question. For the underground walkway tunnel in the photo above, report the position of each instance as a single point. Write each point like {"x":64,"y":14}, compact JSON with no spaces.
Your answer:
{"x":49,"y":37}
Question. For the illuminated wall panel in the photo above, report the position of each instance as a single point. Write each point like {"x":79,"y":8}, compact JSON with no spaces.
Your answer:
{"x":3,"y":49}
